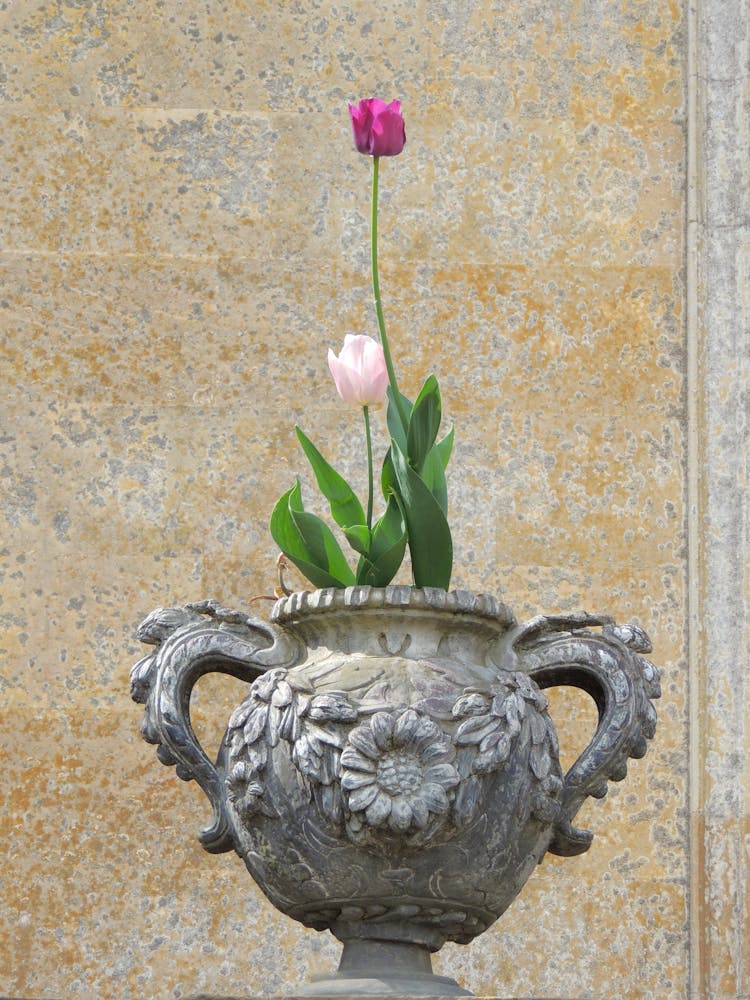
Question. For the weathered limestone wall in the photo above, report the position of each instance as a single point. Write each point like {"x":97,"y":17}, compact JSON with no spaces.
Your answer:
{"x":718,"y":337}
{"x":183,"y":235}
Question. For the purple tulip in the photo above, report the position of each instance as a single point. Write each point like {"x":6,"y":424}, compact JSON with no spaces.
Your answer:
{"x":359,"y":371}
{"x":378,"y":127}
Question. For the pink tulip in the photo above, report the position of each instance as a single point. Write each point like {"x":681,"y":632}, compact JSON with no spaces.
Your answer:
{"x":359,"y":371}
{"x":378,"y":127}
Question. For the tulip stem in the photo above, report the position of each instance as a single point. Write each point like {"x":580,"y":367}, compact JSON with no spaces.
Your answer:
{"x":368,"y":439}
{"x":378,"y":303}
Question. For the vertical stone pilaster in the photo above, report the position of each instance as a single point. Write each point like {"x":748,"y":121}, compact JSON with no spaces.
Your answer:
{"x":719,"y":485}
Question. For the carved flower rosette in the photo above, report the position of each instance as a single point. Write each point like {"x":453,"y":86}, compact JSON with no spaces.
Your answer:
{"x":392,"y":772}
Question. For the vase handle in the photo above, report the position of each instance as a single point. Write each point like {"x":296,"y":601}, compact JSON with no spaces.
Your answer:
{"x":611,"y":668}
{"x":192,"y":641}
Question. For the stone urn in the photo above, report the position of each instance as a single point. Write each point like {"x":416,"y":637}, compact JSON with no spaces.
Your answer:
{"x":392,"y":774}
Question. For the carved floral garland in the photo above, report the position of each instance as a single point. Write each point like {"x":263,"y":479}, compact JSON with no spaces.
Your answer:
{"x":389,"y":773}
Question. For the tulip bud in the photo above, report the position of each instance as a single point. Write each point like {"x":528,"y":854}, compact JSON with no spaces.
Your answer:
{"x":360,"y":371}
{"x":378,"y":127}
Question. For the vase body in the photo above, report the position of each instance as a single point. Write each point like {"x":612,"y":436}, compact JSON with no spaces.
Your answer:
{"x":392,"y":773}
{"x":397,"y":784}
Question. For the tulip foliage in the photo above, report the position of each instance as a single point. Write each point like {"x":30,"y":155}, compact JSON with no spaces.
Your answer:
{"x":416,"y":507}
{"x":412,"y":477}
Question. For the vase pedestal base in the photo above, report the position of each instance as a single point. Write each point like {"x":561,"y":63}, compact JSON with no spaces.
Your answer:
{"x":391,"y":986}
{"x":382,"y":968}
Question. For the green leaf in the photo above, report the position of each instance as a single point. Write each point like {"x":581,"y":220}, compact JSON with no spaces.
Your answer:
{"x":382,"y":571}
{"x":325,"y":550}
{"x":388,"y":530}
{"x":429,"y":536}
{"x":387,"y":549}
{"x":388,"y":475}
{"x":345,"y":507}
{"x":424,"y":423}
{"x":395,"y":427}
{"x":444,"y":447}
{"x":433,"y":476}
{"x":433,"y":470}
{"x":359,"y":537}
{"x":308,"y":542}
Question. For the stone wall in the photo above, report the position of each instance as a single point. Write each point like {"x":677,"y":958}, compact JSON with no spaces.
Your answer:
{"x":184,"y":235}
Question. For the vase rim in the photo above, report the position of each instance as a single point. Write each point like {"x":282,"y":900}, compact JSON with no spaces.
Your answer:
{"x":393,"y":597}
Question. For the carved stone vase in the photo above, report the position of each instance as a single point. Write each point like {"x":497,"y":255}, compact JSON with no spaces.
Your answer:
{"x":392,"y":773}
